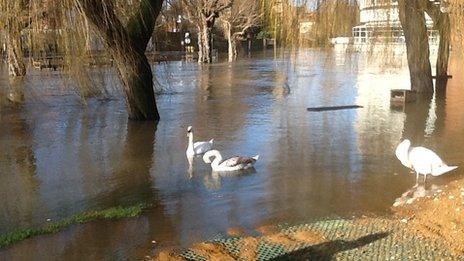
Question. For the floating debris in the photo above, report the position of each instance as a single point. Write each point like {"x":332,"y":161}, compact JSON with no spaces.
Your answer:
{"x":334,"y":108}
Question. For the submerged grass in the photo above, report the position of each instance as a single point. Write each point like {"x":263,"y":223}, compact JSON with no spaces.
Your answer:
{"x":54,"y":227}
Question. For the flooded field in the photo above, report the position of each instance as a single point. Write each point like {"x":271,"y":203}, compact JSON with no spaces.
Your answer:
{"x":59,"y":157}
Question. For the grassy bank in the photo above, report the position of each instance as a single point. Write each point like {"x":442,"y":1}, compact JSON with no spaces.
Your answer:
{"x":54,"y":227}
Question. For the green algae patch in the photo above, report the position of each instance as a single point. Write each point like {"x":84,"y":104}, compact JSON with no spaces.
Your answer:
{"x":54,"y":227}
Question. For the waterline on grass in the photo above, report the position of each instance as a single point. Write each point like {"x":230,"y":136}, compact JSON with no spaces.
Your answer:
{"x":118,"y":212}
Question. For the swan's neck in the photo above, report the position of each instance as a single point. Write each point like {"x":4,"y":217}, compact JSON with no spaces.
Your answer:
{"x":190,"y":142}
{"x":406,"y":151}
{"x":217,"y":159}
{"x":402,"y":153}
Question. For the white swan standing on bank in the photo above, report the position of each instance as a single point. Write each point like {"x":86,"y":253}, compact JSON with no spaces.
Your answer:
{"x":421,"y":160}
{"x":231,"y":164}
{"x":198,"y":147}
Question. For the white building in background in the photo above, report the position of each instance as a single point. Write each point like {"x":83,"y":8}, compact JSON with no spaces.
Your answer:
{"x":380,"y":22}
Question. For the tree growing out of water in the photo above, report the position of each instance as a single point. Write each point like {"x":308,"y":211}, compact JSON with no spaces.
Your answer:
{"x":127,"y":44}
{"x":412,"y":17}
{"x":413,"y":21}
{"x":125,"y":26}
{"x":237,"y":20}
{"x":203,"y":14}
{"x":442,"y":24}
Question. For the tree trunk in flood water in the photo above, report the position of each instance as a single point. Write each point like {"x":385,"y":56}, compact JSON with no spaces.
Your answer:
{"x":16,"y":66}
{"x":417,"y":45}
{"x":444,"y":30}
{"x":127,"y":45}
{"x":200,"y":45}
{"x":232,"y":51}
{"x":206,"y":45}
{"x":137,"y":79}
{"x":442,"y":24}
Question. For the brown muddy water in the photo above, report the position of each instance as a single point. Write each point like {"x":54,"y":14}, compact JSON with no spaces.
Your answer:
{"x":59,"y":157}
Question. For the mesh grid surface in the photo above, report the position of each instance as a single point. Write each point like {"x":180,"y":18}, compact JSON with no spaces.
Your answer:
{"x":369,"y":239}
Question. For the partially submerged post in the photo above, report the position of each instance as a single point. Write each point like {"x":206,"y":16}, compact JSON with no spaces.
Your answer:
{"x":399,"y":97}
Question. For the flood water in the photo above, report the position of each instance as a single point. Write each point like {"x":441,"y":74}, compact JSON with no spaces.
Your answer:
{"x":59,"y":157}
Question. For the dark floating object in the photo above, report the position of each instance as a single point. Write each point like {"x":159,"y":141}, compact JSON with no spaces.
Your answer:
{"x":334,"y":108}
{"x":442,"y":77}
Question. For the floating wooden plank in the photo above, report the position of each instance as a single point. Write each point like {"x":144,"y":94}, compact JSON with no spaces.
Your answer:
{"x":334,"y":108}
{"x":442,"y":77}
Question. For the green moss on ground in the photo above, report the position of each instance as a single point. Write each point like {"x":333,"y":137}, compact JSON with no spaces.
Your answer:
{"x":54,"y":227}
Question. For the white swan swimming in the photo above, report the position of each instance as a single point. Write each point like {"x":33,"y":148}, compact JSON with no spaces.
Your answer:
{"x":231,"y":164}
{"x":421,"y":160}
{"x":198,"y":147}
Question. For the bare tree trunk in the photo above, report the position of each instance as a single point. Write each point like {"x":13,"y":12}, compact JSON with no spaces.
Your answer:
{"x":127,"y":45}
{"x":441,"y":73}
{"x":232,"y":50}
{"x":442,"y":24}
{"x":444,"y":46}
{"x":16,"y":66}
{"x":417,"y":45}
{"x":200,"y":45}
{"x":137,"y":79}
{"x":207,"y":44}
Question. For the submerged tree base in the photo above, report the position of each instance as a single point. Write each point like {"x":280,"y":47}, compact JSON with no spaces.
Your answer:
{"x":110,"y":213}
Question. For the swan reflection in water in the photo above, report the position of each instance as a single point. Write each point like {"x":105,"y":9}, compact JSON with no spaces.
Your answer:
{"x":415,"y":193}
{"x":213,"y":180}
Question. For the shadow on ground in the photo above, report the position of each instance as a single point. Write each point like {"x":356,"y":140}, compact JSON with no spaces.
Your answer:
{"x":327,"y":250}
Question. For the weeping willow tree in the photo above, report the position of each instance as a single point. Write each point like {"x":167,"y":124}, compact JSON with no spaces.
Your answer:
{"x":329,"y":18}
{"x":281,"y":20}
{"x":334,"y":18}
{"x":123,"y":26}
{"x":14,"y":18}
